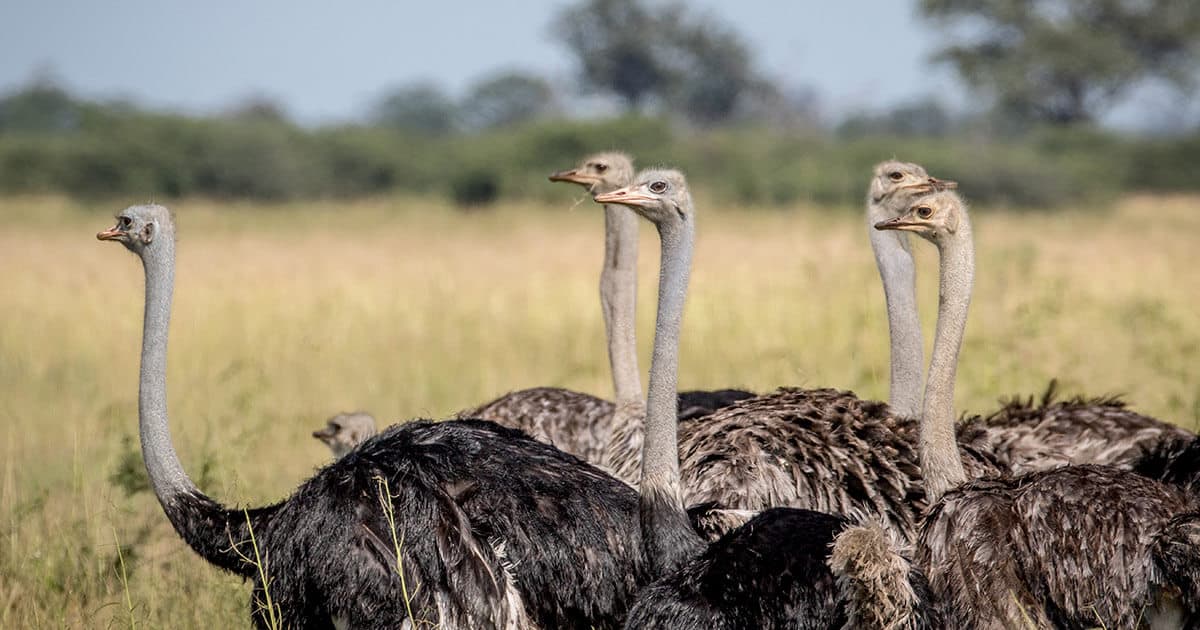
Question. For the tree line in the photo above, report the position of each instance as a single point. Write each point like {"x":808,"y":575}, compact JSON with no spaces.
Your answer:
{"x":687,"y":91}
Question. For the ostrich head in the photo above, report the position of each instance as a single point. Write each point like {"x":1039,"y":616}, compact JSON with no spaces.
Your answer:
{"x":904,"y":180}
{"x":138,"y":226}
{"x":934,"y":217}
{"x":658,"y":195}
{"x":599,"y":173}
{"x":345,"y":431}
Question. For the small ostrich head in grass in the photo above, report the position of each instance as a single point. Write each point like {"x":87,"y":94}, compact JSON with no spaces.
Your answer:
{"x":345,"y":431}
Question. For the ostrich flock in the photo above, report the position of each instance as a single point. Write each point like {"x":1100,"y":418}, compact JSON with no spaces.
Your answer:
{"x":799,"y":508}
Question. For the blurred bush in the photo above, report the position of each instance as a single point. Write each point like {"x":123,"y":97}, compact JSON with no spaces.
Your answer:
{"x":51,"y":143}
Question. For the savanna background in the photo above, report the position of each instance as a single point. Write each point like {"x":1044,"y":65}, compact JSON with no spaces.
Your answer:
{"x":376,"y":232}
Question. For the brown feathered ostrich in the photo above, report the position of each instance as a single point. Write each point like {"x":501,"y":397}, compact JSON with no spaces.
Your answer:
{"x":1073,"y":547}
{"x":1022,"y":436}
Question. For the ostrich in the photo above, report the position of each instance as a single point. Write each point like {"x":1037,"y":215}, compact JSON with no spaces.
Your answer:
{"x":345,"y":431}
{"x":769,"y":573}
{"x":466,"y":524}
{"x":1069,"y":547}
{"x":580,"y":423}
{"x":1021,"y":435}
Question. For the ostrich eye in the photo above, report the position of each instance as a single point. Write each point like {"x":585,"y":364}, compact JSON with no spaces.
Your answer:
{"x":600,"y":168}
{"x":924,"y":212}
{"x":658,"y":187}
{"x":896,"y":176}
{"x":124,"y":222}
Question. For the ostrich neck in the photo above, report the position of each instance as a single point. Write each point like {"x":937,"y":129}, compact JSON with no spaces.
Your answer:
{"x":665,"y":527}
{"x":941,"y":464}
{"x":618,"y":299}
{"x":898,"y":273}
{"x":162,"y":464}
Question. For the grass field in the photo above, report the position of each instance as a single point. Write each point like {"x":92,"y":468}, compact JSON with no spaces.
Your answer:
{"x":287,"y":314}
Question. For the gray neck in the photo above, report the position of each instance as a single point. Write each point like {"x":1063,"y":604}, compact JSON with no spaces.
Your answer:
{"x":660,"y":460}
{"x":898,"y":272}
{"x":618,"y":301}
{"x":166,"y":473}
{"x":666,"y":532}
{"x":941,"y":464}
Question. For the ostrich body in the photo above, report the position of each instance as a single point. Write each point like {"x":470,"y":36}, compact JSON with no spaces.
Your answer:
{"x":575,"y":422}
{"x":1028,"y":436}
{"x":345,"y":431}
{"x":770,"y":572}
{"x":1069,"y":547}
{"x":580,"y":423}
{"x":498,"y":530}
{"x":1021,"y":436}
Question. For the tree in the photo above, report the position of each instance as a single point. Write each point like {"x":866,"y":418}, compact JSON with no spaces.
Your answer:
{"x":258,"y":108}
{"x":506,"y":99}
{"x":660,"y":53}
{"x":420,"y":107}
{"x":1066,"y":61}
{"x":716,"y":68}
{"x":615,"y":43}
{"x":41,"y":106}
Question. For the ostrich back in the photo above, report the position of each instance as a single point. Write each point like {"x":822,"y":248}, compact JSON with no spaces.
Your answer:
{"x":495,"y":530}
{"x":575,"y":422}
{"x":581,"y":424}
{"x":1027,"y":436}
{"x":1073,"y":547}
{"x":823,"y":450}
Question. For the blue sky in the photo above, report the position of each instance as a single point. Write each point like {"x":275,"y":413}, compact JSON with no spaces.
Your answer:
{"x":327,"y":61}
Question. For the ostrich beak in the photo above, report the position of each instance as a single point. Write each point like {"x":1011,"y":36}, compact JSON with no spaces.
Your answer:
{"x":111,"y":234}
{"x":324,"y":435}
{"x":626,"y":197}
{"x":899,"y":223}
{"x":573,"y":176}
{"x":942,"y":184}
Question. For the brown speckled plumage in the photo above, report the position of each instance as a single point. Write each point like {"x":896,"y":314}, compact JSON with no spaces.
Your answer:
{"x":1074,"y":547}
{"x":580,"y":423}
{"x":821,"y":449}
{"x":1026,"y":435}
{"x":574,"y":422}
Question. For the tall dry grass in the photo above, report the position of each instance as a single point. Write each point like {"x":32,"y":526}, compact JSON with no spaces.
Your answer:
{"x":287,"y":314}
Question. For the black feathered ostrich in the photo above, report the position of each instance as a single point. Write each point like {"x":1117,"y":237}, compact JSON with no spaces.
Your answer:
{"x":773,"y":571}
{"x":487,"y":527}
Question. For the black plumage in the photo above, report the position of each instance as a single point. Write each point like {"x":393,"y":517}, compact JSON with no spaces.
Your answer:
{"x":483,"y":512}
